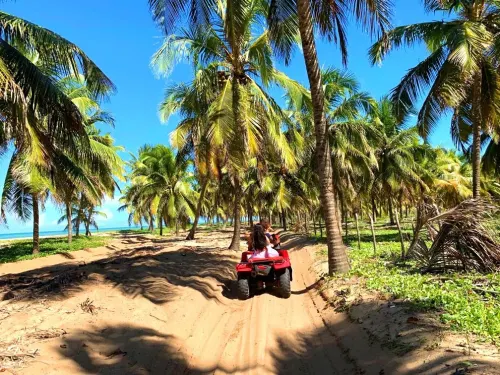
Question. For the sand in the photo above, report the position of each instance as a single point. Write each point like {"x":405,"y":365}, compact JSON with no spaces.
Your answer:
{"x":144,"y":305}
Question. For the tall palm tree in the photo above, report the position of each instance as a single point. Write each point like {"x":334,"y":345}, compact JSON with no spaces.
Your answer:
{"x":241,"y":63}
{"x":164,"y":185}
{"x":193,"y":137}
{"x":461,"y":71}
{"x":33,"y":170}
{"x":398,"y":169}
{"x":88,"y":216}
{"x":330,"y":17}
{"x":104,"y":164}
{"x":96,"y":159}
{"x":452,"y":178}
{"x":350,"y":133}
{"x":25,"y":190}
{"x":31,"y":103}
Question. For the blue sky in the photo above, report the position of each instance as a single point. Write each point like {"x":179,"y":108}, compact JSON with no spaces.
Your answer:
{"x":121,"y":38}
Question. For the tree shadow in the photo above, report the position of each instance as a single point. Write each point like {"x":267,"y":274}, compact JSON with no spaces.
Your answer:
{"x":345,"y":353}
{"x":124,"y":349}
{"x":132,"y":350}
{"x":66,"y":254}
{"x":293,"y":242}
{"x":335,"y":348}
{"x":141,"y":271}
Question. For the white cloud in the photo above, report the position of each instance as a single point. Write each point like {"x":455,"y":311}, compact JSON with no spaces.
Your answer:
{"x":112,"y":202}
{"x":108,"y":213}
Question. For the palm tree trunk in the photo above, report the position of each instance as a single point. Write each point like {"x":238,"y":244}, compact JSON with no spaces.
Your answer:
{"x":344,"y":215}
{"x":161,"y":226}
{"x":391,"y":212}
{"x":283,"y":214}
{"x":374,"y":209}
{"x":235,"y":242}
{"x":241,"y":143}
{"x":337,"y":257}
{"x":476,"y":137}
{"x":250,"y":214}
{"x":78,"y":217}
{"x":320,"y":226}
{"x":151,"y":225}
{"x":340,"y":213}
{"x":192,"y":232}
{"x":36,"y":224}
{"x":357,"y":230}
{"x":88,"y":221}
{"x":401,"y":239}
{"x":374,"y":239}
{"x":70,"y":223}
{"x":401,"y":205}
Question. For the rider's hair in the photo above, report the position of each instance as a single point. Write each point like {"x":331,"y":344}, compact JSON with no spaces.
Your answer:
{"x":259,"y":237}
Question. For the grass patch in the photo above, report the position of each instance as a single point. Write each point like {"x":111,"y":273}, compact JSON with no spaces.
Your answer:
{"x":466,"y":302}
{"x":14,"y":251}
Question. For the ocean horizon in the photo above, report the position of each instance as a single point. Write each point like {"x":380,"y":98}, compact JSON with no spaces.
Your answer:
{"x":48,"y":233}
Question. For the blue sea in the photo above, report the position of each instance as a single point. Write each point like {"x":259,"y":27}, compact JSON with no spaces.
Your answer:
{"x":10,"y":236}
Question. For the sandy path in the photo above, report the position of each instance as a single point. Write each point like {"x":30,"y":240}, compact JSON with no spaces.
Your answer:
{"x":170,"y":308}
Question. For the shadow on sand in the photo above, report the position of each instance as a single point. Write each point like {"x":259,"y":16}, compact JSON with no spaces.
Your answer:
{"x":136,"y":350}
{"x":144,"y":270}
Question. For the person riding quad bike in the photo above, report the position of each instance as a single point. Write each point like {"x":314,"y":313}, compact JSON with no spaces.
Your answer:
{"x":262,"y":266}
{"x":273,"y":239}
{"x":261,"y":246}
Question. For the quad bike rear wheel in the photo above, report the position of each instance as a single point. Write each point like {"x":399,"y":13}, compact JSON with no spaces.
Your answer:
{"x":243,"y":288}
{"x":285,"y":288}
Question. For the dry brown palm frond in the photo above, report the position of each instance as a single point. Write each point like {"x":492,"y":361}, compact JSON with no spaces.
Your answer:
{"x":88,"y":306}
{"x":426,"y":210}
{"x":464,"y":241}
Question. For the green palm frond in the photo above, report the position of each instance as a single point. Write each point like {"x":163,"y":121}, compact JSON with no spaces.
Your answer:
{"x":54,"y":50}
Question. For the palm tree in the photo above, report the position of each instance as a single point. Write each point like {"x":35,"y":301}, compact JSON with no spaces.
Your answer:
{"x":396,"y":151}
{"x":330,"y":16}
{"x":24,"y":192}
{"x":104,"y":164}
{"x":491,"y":157}
{"x":460,"y":73}
{"x":32,"y":105}
{"x":37,"y":115}
{"x":452,"y":178}
{"x":33,"y":170}
{"x":240,"y":62}
{"x":350,"y":133}
{"x":163,"y":185}
{"x":87,"y":215}
{"x":95,"y":162}
{"x":193,"y":136}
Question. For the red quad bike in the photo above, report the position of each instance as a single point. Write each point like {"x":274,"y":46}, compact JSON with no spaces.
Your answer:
{"x":273,"y":272}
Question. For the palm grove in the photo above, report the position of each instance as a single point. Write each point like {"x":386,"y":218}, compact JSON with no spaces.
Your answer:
{"x":321,"y":154}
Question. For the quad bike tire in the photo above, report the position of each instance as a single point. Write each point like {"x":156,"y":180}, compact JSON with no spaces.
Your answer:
{"x":243,"y":288}
{"x":285,"y":287}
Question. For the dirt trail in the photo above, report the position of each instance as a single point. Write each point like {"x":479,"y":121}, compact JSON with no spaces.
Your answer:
{"x":169,"y":307}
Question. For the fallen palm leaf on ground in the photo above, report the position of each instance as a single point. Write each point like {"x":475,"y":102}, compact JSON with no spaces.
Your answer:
{"x":464,"y":241}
